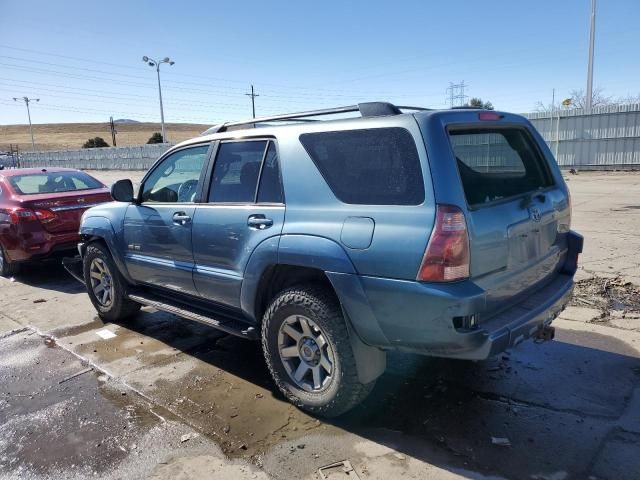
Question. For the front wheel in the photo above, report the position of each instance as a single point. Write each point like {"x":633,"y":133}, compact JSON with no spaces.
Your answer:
{"x":7,"y":268}
{"x":106,"y":287}
{"x":307,"y":349}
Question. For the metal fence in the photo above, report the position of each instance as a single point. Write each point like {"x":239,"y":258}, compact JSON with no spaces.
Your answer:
{"x":608,"y":138}
{"x":113,"y":158}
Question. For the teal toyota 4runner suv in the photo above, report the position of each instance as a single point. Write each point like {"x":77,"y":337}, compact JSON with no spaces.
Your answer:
{"x":437,"y":232}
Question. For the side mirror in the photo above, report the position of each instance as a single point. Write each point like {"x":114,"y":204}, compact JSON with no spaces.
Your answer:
{"x":122,"y":191}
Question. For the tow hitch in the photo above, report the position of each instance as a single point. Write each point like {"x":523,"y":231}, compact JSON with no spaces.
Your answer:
{"x":546,"y":333}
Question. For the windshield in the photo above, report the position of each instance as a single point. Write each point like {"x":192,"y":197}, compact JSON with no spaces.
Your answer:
{"x":54,"y":182}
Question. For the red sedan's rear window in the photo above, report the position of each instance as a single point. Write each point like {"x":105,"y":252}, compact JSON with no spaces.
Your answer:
{"x":52,"y":182}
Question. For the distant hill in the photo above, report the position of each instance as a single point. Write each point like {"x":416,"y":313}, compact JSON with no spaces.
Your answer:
{"x":125,"y":121}
{"x":62,"y":136}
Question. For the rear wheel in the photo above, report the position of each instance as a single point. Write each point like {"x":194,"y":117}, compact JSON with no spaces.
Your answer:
{"x":106,"y":287}
{"x":307,"y":348}
{"x":7,"y":268}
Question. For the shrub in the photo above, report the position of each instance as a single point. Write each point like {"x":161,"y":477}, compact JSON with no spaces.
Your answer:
{"x":155,"y":138}
{"x":97,"y":142}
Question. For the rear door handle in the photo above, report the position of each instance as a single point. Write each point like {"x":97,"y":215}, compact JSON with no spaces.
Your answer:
{"x":181,"y":218}
{"x":259,"y":221}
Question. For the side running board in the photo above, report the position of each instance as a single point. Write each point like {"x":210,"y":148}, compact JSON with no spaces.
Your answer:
{"x":228,"y":325}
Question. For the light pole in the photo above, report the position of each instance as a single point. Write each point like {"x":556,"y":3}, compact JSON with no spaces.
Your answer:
{"x":592,"y":39}
{"x":565,"y":103}
{"x":153,"y":63}
{"x":26,"y":102}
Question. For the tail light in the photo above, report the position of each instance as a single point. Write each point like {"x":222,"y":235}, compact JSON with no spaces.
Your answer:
{"x":447,"y":255}
{"x":23,"y":215}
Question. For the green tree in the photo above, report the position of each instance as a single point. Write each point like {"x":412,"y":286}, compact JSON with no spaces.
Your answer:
{"x":155,"y":138}
{"x":478,"y":103}
{"x":97,"y":142}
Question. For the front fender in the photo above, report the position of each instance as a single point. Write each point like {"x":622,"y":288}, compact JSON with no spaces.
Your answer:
{"x":98,"y":227}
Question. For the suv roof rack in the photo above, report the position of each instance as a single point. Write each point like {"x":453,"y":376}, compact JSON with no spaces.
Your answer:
{"x":366,"y":109}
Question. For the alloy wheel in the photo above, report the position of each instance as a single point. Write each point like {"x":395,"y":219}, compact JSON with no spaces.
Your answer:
{"x":305,"y":353}
{"x":101,"y":282}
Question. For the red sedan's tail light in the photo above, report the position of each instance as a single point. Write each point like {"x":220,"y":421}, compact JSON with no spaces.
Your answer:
{"x":23,"y":215}
{"x":447,"y":256}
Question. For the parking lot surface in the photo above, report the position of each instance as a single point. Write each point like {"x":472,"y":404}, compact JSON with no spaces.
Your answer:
{"x":162,"y":397}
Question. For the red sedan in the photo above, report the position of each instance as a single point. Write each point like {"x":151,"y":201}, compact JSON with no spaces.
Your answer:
{"x":40,"y":212}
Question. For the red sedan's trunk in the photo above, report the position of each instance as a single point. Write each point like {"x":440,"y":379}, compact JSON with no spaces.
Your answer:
{"x":61,"y":212}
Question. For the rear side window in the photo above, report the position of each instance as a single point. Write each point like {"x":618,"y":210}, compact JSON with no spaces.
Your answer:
{"x":270,"y":190}
{"x":53,"y":182}
{"x":372,"y":166}
{"x":498,"y":163}
{"x":236,"y":171}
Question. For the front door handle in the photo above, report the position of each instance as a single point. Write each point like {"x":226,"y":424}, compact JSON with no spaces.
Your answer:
{"x":259,"y":221}
{"x":181,"y":218}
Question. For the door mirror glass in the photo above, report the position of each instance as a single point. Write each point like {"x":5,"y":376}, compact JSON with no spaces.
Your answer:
{"x":122,"y":191}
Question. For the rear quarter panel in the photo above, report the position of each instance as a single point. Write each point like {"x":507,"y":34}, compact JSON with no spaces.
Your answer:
{"x":395,"y":237}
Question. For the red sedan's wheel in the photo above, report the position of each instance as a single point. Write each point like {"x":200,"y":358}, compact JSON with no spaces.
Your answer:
{"x":7,"y":268}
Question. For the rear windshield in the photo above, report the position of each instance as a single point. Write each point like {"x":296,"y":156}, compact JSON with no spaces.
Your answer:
{"x":32,"y":184}
{"x":498,"y":163}
{"x":371,"y":166}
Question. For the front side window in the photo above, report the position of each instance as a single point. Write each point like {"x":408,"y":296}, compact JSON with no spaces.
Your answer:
{"x":370,"y":166}
{"x":175,"y":179}
{"x":52,"y":182}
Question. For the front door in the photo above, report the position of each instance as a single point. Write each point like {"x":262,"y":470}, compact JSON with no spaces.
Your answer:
{"x":157,"y":230}
{"x":244,"y":208}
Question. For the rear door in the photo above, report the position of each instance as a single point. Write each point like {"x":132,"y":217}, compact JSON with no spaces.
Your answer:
{"x":245,"y":207}
{"x":518,"y":211}
{"x":157,"y":230}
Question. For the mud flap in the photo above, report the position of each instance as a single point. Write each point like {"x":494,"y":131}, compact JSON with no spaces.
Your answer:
{"x":73,"y":265}
{"x":371,"y":362}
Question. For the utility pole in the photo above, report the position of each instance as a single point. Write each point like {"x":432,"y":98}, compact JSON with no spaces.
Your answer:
{"x":26,"y":102}
{"x":456,"y":94}
{"x":592,"y":39}
{"x":253,"y":100}
{"x":113,"y":131}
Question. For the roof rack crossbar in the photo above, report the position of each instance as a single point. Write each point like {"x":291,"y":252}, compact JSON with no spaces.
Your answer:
{"x":368,"y":109}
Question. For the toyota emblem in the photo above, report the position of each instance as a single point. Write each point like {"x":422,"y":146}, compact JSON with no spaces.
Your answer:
{"x":535,"y":214}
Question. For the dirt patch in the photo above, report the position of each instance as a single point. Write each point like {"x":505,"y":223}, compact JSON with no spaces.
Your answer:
{"x":614,"y":297}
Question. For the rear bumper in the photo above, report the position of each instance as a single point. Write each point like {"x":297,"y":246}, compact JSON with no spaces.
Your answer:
{"x":38,"y":244}
{"x":518,"y":323}
{"x":419,"y":317}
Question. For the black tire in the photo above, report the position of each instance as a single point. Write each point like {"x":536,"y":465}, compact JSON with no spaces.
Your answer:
{"x":343,"y":391}
{"x":120,"y":307}
{"x":7,"y":268}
